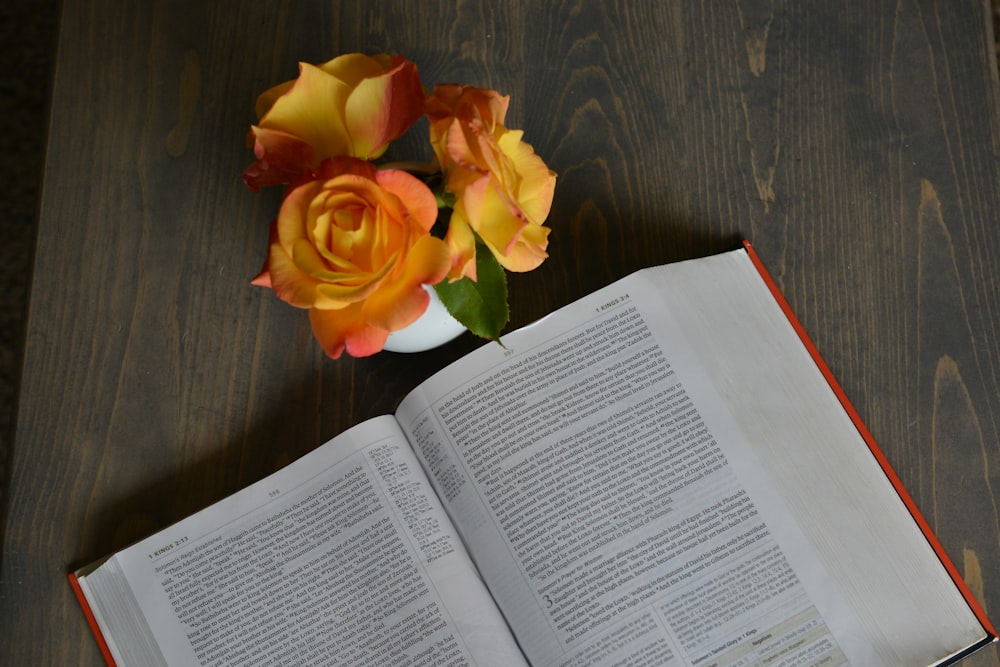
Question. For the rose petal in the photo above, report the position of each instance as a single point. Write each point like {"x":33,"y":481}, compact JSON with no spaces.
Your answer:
{"x":529,"y":250}
{"x":288,"y":281}
{"x":339,"y":165}
{"x":353,"y":68}
{"x":493,"y":215}
{"x":295,"y":207}
{"x":312,"y":110}
{"x":281,"y":158}
{"x":451,"y":100}
{"x":349,"y":289}
{"x":337,"y":330}
{"x":382,"y":108}
{"x":262,"y":279}
{"x":418,"y":198}
{"x":518,"y":244}
{"x":462,"y":245}
{"x":402,"y":300}
{"x":536,"y":182}
{"x":267,"y":99}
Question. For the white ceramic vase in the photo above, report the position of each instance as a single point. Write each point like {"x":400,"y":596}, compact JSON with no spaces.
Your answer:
{"x":432,"y":329}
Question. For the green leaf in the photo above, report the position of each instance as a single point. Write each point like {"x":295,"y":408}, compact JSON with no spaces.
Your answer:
{"x":480,"y":305}
{"x":444,"y":198}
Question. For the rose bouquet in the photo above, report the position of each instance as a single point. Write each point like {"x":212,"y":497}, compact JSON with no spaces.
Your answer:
{"x":355,"y":241}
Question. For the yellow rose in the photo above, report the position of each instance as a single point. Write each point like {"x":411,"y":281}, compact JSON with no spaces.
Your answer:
{"x":353,"y":105}
{"x":354,"y":247}
{"x":503,"y":189}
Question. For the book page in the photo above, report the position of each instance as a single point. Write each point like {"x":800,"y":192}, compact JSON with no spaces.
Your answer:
{"x":614,"y":505}
{"x":845,"y":526}
{"x":344,"y":557}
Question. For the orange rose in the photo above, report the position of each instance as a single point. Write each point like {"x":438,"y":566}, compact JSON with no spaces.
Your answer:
{"x":354,"y":247}
{"x":353,"y":105}
{"x":458,"y":116}
{"x":503,"y":189}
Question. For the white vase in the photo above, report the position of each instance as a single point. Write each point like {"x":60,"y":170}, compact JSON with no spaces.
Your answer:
{"x":432,"y":329}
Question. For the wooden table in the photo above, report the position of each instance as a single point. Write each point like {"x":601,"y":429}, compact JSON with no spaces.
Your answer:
{"x":856,"y":144}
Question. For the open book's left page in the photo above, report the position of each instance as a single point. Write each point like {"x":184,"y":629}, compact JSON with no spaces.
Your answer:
{"x":343,"y":557}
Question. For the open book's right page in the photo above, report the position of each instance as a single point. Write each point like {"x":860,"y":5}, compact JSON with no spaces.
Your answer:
{"x":658,"y":474}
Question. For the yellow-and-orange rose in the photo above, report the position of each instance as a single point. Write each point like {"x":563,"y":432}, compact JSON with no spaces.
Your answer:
{"x":353,"y":105}
{"x":353,"y":246}
{"x":503,"y":189}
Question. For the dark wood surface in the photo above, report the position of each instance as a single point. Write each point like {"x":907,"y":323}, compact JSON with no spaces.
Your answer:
{"x":854,"y":143}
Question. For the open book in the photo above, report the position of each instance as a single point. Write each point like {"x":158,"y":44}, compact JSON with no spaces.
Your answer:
{"x":661,"y":473}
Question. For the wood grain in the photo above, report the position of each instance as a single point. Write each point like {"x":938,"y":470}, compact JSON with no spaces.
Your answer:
{"x":855,"y":143}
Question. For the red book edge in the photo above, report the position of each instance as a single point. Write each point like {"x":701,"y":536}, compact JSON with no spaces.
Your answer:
{"x":91,"y":620}
{"x":870,"y":441}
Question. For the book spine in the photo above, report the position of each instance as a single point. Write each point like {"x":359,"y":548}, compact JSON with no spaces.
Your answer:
{"x":870,"y":441}
{"x":91,"y":620}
